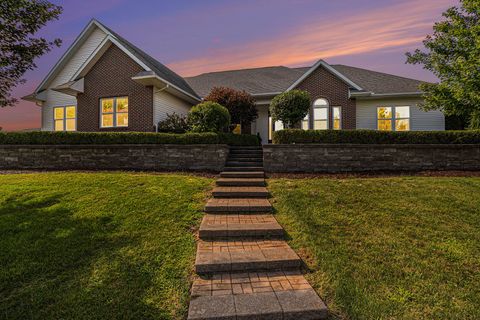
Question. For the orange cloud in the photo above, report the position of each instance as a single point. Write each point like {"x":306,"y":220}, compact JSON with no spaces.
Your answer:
{"x":395,"y":26}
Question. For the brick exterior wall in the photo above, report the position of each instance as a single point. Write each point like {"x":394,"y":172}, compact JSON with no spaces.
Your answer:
{"x":199,"y":157}
{"x":369,"y":157}
{"x":111,"y":77}
{"x":323,"y":84}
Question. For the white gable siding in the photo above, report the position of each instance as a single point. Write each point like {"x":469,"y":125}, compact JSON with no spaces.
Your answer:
{"x":65,"y":74}
{"x":419,"y":120}
{"x":165,"y":103}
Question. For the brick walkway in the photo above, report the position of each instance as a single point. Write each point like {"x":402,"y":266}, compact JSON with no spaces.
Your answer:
{"x":245,"y":269}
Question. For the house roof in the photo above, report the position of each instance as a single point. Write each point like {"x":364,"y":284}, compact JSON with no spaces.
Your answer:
{"x":278,"y":79}
{"x":160,"y":69}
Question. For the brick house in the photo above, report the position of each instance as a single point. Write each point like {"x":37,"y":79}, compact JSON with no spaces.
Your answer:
{"x":105,"y":83}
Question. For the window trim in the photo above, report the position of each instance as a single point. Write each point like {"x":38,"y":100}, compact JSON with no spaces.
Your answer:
{"x":394,"y":118}
{"x":64,"y":107}
{"x":327,"y":119}
{"x":114,"y":112}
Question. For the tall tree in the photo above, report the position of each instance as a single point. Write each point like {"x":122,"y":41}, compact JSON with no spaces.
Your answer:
{"x":452,"y":53}
{"x":20,"y":20}
{"x":240,"y":104}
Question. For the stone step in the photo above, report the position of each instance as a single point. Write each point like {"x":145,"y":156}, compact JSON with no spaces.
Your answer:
{"x":250,"y":159}
{"x":242,"y":169}
{"x":244,"y":255}
{"x":255,"y":295}
{"x":245,"y":174}
{"x":240,"y":192}
{"x":241,"y":182}
{"x":239,"y":225}
{"x":239,"y":205}
{"x":244,"y":164}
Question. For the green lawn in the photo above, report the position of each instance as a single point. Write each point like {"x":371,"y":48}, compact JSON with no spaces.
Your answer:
{"x":98,"y":245}
{"x":387,"y":248}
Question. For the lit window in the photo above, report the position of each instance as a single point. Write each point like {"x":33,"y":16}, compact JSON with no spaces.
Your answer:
{"x":384,"y":118}
{"x":337,"y":118}
{"x":402,"y":118}
{"x":114,"y":112}
{"x":65,"y":118}
{"x":393,"y":118}
{"x":305,"y":125}
{"x":320,"y":114}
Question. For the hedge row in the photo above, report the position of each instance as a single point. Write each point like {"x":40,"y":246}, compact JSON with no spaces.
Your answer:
{"x":291,"y":136}
{"x":64,"y":138}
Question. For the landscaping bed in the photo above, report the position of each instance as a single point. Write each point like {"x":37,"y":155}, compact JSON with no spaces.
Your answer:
{"x":390,"y":247}
{"x":98,"y":245}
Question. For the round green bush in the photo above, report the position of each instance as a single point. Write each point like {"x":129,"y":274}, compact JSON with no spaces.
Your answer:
{"x":290,"y":107}
{"x":209,"y":117}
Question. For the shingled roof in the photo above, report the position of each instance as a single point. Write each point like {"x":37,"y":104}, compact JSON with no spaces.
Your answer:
{"x":277,"y":79}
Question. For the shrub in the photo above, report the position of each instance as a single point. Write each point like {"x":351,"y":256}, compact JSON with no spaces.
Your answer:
{"x":174,"y":123}
{"x":376,"y":137}
{"x":208,"y":117}
{"x":290,"y":107}
{"x":76,"y":138}
{"x":240,"y":104}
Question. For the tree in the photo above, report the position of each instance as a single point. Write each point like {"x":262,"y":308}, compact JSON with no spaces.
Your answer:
{"x":453,"y":55}
{"x":20,"y":20}
{"x":240,"y":104}
{"x":290,"y":107}
{"x":208,"y":117}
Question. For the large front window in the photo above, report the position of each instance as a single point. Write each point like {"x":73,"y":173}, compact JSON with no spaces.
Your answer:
{"x":114,"y":112}
{"x":337,"y":118}
{"x":320,"y":114}
{"x":393,"y":118}
{"x":65,"y":118}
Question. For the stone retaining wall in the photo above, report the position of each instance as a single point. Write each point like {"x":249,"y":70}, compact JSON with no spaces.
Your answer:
{"x":197,"y":157}
{"x":367,"y":157}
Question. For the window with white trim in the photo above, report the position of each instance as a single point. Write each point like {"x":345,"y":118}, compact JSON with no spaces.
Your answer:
{"x":337,"y":118}
{"x":65,"y":118}
{"x":305,"y":125}
{"x":320,"y":114}
{"x":114,"y":112}
{"x":393,"y":118}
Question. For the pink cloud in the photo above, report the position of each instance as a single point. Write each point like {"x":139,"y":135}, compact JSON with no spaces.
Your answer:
{"x":401,"y":25}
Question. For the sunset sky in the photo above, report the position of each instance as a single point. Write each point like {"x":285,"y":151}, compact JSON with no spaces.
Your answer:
{"x":196,"y":36}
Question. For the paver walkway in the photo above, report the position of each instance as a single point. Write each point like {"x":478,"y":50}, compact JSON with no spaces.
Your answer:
{"x":245,"y":269}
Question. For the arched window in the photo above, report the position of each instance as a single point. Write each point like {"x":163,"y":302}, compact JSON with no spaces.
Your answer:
{"x":320,"y":114}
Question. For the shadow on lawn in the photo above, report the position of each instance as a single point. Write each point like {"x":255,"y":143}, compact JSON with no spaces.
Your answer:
{"x":54,"y":264}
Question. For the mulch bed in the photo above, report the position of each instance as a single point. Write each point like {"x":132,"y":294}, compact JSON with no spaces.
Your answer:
{"x":353,"y":175}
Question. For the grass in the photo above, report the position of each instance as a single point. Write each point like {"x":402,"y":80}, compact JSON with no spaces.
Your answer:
{"x":387,"y":248}
{"x":97,"y":245}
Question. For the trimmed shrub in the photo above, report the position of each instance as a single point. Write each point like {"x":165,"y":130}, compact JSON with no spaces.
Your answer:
{"x":208,"y":117}
{"x":76,"y":138}
{"x":290,"y":107}
{"x":376,"y":137}
{"x":174,"y":123}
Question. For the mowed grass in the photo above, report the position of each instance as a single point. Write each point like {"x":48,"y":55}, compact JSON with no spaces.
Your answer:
{"x":387,"y":248}
{"x":98,"y":245}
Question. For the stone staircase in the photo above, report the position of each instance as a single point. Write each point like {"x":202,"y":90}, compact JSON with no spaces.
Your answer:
{"x":245,"y":268}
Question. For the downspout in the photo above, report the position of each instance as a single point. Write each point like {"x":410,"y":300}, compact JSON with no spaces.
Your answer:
{"x":158,"y":91}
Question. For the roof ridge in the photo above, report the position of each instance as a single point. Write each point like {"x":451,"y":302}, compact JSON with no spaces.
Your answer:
{"x":379,"y":72}
{"x":237,"y":70}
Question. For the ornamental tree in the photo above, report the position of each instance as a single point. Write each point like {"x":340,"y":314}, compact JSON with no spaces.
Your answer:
{"x":240,"y":104}
{"x":290,"y":107}
{"x":20,"y":20}
{"x":208,"y":117}
{"x":452,"y":53}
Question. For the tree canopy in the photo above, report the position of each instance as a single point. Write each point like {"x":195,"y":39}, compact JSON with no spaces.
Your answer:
{"x":20,"y":20}
{"x":452,"y":53}
{"x":290,"y":107}
{"x":240,"y":104}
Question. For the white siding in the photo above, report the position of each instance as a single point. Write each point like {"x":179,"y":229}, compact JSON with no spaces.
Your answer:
{"x":164,"y":103}
{"x":260,"y":125}
{"x":419,"y":120}
{"x":65,"y":74}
